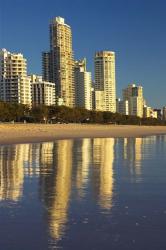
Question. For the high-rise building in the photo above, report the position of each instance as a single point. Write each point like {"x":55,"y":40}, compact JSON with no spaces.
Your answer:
{"x":134,"y":95}
{"x":14,"y":82}
{"x":83,"y":85}
{"x":47,"y":73}
{"x":43,"y":93}
{"x":105,"y":86}
{"x":58,"y":64}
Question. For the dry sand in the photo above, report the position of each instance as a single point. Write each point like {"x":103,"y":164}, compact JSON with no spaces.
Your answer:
{"x":26,"y":133}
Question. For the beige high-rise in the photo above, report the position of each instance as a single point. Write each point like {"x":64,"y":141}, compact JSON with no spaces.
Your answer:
{"x":61,"y":62}
{"x":14,"y":82}
{"x":105,"y":86}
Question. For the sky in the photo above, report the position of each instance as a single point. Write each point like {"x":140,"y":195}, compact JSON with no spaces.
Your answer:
{"x":134,"y":29}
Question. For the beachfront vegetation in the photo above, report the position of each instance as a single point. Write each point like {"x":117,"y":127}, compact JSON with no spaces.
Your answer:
{"x":61,"y":114}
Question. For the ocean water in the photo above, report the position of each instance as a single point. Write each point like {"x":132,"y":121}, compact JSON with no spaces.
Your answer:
{"x":84,"y":194}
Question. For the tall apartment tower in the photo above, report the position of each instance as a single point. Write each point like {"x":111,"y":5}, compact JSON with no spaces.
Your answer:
{"x":134,"y":95}
{"x":58,"y":63}
{"x":14,"y":82}
{"x":105,"y":85}
{"x":83,"y":85}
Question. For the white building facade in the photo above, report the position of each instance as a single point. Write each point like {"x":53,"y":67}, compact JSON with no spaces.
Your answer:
{"x":43,"y":93}
{"x":14,"y":83}
{"x":83,"y":85}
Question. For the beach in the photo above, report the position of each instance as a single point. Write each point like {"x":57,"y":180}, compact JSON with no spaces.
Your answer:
{"x":29,"y":133}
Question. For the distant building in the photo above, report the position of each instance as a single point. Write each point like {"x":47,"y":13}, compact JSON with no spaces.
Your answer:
{"x":149,"y":112}
{"x":83,"y":85}
{"x":105,"y":85}
{"x":43,"y":93}
{"x":134,"y":95}
{"x":47,"y":67}
{"x":58,"y":63}
{"x":122,"y":107}
{"x":93,"y":98}
{"x":154,"y":114}
{"x":14,"y":82}
{"x":164,"y":113}
{"x":159,"y":113}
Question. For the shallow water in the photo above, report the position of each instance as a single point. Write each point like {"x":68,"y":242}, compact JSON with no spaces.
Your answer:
{"x":84,"y":194}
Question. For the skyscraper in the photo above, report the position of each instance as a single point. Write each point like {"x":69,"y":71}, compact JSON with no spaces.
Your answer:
{"x":14,"y":82}
{"x":83,"y":85}
{"x":58,"y":64}
{"x":105,"y":85}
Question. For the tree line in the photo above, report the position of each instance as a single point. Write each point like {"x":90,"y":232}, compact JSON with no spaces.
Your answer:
{"x":61,"y":114}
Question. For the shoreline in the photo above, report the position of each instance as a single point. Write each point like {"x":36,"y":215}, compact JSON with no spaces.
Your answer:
{"x":36,"y":133}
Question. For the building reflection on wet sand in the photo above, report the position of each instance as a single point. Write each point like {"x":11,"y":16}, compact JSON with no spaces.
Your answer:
{"x":133,"y":151}
{"x":103,"y":159}
{"x":57,"y":188}
{"x":133,"y":154}
{"x":65,"y":165}
{"x":82,"y":156}
{"x":12,"y":171}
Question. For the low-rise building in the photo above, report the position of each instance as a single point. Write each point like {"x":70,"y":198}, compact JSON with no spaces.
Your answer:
{"x":159,"y":113}
{"x":43,"y":93}
{"x":150,"y":112}
{"x":122,"y":106}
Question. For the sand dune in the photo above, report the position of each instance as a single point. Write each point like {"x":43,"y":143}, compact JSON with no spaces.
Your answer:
{"x":26,"y":133}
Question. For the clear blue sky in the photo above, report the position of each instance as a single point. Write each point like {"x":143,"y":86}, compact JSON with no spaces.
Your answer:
{"x":134,"y":29}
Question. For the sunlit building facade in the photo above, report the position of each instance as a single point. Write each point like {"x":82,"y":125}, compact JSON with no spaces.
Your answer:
{"x":43,"y":93}
{"x":83,"y":85}
{"x":58,"y":63}
{"x":105,"y":85}
{"x":149,"y":112}
{"x":134,"y":95}
{"x":14,"y":82}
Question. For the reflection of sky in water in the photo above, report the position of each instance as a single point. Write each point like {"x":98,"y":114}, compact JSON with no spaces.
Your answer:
{"x":73,"y":182}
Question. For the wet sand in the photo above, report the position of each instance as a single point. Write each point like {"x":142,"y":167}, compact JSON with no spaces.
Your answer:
{"x":27,"y":133}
